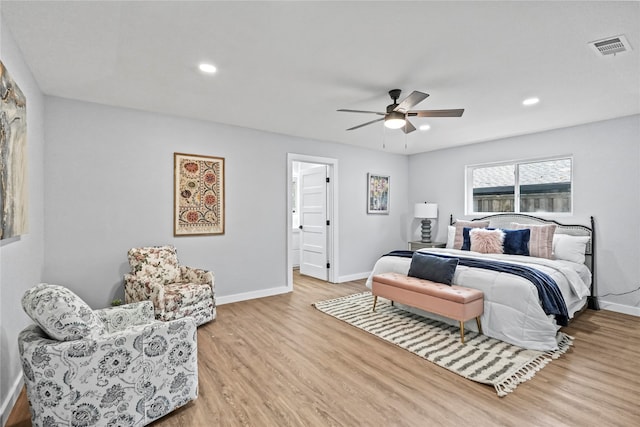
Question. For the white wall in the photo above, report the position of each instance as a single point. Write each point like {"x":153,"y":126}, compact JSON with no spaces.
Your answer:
{"x":606,"y":184}
{"x":109,"y":188}
{"x":21,"y":258}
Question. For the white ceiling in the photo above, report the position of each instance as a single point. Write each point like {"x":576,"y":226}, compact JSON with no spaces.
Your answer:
{"x":286,"y":67}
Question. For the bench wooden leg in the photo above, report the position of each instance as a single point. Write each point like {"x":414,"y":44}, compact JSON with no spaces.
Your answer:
{"x":462,"y":328}
{"x":375,"y":300}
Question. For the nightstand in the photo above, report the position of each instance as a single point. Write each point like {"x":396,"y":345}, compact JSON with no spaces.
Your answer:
{"x":414,"y":246}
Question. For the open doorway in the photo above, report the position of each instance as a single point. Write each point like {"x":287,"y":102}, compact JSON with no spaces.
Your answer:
{"x":312,"y":217}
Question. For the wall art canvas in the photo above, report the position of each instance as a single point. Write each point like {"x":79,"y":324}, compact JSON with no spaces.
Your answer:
{"x":198,"y":195}
{"x":377,"y":194}
{"x":13,"y":158}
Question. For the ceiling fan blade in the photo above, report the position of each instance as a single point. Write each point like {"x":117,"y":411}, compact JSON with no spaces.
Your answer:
{"x":410,"y":101}
{"x":361,"y":111}
{"x":436,"y":113}
{"x":408,"y":127}
{"x":368,"y":123}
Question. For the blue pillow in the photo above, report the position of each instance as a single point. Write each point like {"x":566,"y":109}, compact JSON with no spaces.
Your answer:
{"x":466,"y":239}
{"x":516,"y":242}
{"x":434,"y":268}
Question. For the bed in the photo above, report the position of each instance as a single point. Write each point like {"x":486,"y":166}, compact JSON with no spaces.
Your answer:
{"x":513,"y":307}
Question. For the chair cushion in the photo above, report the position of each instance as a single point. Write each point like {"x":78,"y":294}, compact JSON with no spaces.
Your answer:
{"x":157,"y":262}
{"x":185,"y":294}
{"x":60,"y":313}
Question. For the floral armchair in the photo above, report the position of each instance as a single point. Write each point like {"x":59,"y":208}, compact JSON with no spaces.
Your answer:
{"x":176,"y":291}
{"x":112,"y":367}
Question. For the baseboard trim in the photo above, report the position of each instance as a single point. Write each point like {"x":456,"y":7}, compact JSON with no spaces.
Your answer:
{"x":228,"y":299}
{"x":351,"y":277}
{"x":11,"y":399}
{"x":245,"y":296}
{"x":620,"y":308}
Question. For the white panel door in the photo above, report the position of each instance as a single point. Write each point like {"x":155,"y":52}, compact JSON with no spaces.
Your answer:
{"x":313,"y":222}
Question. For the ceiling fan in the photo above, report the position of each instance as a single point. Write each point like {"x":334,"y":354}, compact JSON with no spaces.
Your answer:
{"x":397,"y":115}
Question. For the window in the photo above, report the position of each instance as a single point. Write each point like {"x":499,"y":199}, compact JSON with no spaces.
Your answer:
{"x":527,"y":187}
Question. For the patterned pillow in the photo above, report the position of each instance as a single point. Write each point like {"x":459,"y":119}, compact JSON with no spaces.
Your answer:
{"x":158,"y":262}
{"x":60,"y":313}
{"x":486,"y":241}
{"x":460,"y":225}
{"x":541,"y":239}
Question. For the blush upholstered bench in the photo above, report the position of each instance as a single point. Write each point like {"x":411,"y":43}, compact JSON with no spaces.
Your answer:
{"x":454,"y":302}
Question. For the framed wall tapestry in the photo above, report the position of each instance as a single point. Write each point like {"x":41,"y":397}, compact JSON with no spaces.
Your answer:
{"x":13,"y":158}
{"x":377,"y":194}
{"x":198,"y":195}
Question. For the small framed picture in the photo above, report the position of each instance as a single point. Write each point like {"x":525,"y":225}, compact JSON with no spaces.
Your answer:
{"x":377,"y":194}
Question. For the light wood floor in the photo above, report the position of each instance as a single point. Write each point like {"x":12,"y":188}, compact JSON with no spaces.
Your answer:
{"x":277,"y":361}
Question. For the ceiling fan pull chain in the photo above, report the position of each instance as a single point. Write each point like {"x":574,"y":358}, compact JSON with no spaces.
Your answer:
{"x":384,"y":137}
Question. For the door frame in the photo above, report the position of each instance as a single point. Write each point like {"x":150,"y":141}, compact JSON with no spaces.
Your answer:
{"x":332,"y":213}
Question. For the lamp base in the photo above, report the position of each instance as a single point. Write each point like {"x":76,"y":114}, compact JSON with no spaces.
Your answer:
{"x":426,"y":231}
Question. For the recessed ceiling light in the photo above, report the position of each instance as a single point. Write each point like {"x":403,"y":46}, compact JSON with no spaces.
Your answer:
{"x":207,"y":68}
{"x":531,"y":101}
{"x":425,"y":127}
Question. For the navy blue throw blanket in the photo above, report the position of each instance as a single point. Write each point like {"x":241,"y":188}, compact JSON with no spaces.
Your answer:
{"x":550,"y":296}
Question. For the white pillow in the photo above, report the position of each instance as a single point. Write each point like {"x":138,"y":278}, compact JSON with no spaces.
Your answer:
{"x":570,"y":248}
{"x":451,"y":236}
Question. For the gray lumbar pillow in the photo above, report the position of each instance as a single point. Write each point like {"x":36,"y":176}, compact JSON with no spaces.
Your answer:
{"x":434,"y":268}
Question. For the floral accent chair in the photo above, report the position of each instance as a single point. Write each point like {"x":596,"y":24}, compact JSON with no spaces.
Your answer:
{"x":112,"y":367}
{"x":176,"y":291}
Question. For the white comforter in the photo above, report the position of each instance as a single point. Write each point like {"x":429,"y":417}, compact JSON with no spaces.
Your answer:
{"x":512,"y":310}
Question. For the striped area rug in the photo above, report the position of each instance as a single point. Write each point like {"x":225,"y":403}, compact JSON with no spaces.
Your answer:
{"x":481,"y":358}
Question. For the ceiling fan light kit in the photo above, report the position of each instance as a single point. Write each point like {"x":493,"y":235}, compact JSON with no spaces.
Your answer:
{"x":397,"y":113}
{"x":394,"y":120}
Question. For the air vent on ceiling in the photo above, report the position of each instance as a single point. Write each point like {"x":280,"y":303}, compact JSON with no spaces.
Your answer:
{"x":611,"y":45}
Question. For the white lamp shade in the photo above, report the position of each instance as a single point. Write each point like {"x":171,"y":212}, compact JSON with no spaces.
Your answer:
{"x":426,"y":210}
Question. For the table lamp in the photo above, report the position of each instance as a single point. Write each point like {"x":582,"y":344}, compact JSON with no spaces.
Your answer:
{"x":426,"y":211}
